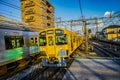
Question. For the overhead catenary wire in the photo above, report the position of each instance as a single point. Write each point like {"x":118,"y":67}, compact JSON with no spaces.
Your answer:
{"x":80,"y":7}
{"x":8,"y":11}
{"x":15,"y":7}
{"x":9,"y":5}
{"x":10,"y":15}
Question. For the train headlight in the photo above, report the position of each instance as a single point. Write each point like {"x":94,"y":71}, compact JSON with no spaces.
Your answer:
{"x":43,"y":49}
{"x":61,"y":48}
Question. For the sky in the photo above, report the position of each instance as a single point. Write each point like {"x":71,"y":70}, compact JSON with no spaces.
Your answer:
{"x":70,"y":9}
{"x":66,"y":9}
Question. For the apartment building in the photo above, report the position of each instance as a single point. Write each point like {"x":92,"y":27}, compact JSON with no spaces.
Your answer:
{"x":38,"y":13}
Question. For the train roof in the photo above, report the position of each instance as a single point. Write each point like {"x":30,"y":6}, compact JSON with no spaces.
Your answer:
{"x":112,"y":26}
{"x":57,"y":29}
{"x":68,"y":31}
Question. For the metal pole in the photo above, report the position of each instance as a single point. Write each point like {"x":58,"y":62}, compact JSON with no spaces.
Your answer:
{"x":96,"y":27}
{"x":71,"y":24}
{"x":86,"y":36}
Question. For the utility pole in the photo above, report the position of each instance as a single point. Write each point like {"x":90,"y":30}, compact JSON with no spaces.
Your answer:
{"x":71,"y":22}
{"x":96,"y":27}
{"x":56,"y":20}
{"x":0,"y":19}
{"x":86,"y":36}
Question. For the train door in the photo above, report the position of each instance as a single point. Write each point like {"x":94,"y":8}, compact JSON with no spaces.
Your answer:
{"x":50,"y":45}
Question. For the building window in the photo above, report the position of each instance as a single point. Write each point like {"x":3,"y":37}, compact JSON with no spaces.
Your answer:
{"x":42,"y":1}
{"x":43,"y":17}
{"x":43,"y":24}
{"x":31,"y":2}
{"x":31,"y":17}
{"x":43,"y":9}
{"x":30,"y":11}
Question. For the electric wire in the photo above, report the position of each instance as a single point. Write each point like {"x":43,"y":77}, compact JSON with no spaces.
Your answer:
{"x":16,"y":7}
{"x":10,"y":12}
{"x":10,"y":15}
{"x":9,"y":4}
{"x":80,"y":6}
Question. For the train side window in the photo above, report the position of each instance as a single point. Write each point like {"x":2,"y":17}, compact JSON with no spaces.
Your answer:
{"x":35,"y":40}
{"x":12,"y":42}
{"x":32,"y":41}
{"x":8,"y":42}
{"x":19,"y":42}
{"x":42,"y":41}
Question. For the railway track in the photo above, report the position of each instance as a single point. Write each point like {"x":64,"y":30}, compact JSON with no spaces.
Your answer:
{"x":11,"y":73}
{"x":112,"y":45}
{"x":37,"y":72}
{"x":107,"y":52}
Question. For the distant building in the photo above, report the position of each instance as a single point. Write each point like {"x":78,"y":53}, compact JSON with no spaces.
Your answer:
{"x":39,"y":13}
{"x":112,"y":32}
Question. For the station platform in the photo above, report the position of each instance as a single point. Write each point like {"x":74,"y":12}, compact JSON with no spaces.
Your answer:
{"x":94,"y":69}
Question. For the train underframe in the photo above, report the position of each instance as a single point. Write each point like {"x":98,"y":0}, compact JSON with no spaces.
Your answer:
{"x":52,"y":62}
{"x":19,"y":64}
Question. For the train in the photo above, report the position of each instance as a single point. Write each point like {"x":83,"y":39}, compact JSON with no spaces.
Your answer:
{"x":57,"y":45}
{"x":18,"y":48}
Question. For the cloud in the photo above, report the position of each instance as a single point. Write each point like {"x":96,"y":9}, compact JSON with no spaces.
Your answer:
{"x":107,"y":14}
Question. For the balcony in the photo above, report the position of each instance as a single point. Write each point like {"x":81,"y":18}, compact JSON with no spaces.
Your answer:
{"x":30,"y":19}
{"x":48,"y":17}
{"x":48,"y":11}
{"x":48,"y":21}
{"x":48,"y":24}
{"x":29,"y":12}
{"x":30,"y":4}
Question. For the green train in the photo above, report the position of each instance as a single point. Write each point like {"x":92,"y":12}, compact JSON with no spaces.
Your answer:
{"x":18,"y":48}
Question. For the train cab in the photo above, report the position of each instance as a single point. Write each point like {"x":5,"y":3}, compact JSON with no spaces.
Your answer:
{"x":56,"y":45}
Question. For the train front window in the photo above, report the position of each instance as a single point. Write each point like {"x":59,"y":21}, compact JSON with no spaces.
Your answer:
{"x":42,"y":41}
{"x":61,"y":39}
{"x":50,"y":41}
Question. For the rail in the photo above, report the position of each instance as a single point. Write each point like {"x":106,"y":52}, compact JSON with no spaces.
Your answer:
{"x":107,"y":52}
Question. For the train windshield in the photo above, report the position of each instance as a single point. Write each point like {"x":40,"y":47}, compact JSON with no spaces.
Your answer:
{"x":61,"y":39}
{"x":42,"y":41}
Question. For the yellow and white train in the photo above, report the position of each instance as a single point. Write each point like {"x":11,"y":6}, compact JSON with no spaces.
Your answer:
{"x":56,"y":46}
